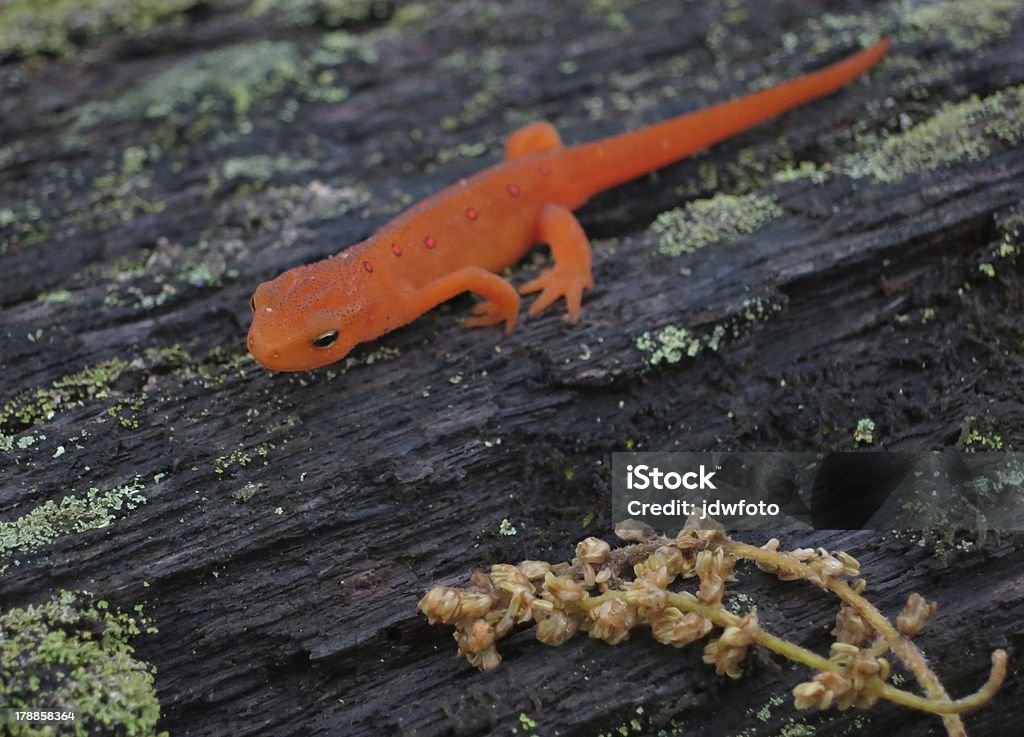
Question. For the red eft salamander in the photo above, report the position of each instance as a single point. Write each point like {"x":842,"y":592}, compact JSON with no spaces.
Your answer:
{"x":459,"y":239}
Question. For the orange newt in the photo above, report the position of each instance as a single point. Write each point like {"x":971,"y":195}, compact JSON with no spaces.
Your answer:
{"x":461,"y":238}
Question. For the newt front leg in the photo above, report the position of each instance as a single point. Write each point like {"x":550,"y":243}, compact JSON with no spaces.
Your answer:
{"x":501,"y":301}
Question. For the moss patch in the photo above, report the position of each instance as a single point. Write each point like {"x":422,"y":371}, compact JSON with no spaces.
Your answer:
{"x":705,"y":222}
{"x":72,"y":654}
{"x":60,"y":27}
{"x":252,"y":173}
{"x":668,"y":345}
{"x":73,"y":514}
{"x":967,"y":131}
{"x":967,"y":24}
{"x":864,"y":433}
{"x":23,"y":226}
{"x":233,"y":77}
{"x":976,"y":440}
{"x":341,"y":47}
{"x":38,"y":405}
{"x":672,"y":344}
{"x":330,"y":13}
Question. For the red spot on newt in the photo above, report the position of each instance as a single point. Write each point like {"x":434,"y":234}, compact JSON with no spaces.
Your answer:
{"x":335,"y":297}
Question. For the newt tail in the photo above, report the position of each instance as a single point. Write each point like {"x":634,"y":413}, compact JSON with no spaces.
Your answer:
{"x":460,"y":239}
{"x":603,"y":164}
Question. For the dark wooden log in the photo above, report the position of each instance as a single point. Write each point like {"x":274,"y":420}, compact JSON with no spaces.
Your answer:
{"x":280,"y":529}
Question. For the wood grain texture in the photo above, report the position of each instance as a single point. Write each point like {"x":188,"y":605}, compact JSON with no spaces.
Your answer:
{"x":292,"y":522}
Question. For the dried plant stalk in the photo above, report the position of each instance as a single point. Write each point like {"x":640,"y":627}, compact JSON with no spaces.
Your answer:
{"x":607,"y":593}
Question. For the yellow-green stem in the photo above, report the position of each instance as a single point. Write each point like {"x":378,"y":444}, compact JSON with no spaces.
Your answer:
{"x":792,"y":651}
{"x":938,"y":701}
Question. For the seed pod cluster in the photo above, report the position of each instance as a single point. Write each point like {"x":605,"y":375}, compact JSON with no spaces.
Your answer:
{"x":848,"y":686}
{"x":588,"y":594}
{"x":608,"y":592}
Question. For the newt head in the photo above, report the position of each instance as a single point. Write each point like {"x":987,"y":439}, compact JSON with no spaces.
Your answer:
{"x":307,"y":317}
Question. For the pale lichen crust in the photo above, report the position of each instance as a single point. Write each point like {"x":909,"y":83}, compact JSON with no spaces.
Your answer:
{"x":72,"y":654}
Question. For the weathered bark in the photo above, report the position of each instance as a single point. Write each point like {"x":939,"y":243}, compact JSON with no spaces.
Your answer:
{"x":292,"y":522}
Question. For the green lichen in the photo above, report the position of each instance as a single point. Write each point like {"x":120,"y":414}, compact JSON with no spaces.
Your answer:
{"x":794,"y":728}
{"x":740,"y":603}
{"x":966,"y":24}
{"x":57,"y":296}
{"x":969,"y":25}
{"x":173,"y":356}
{"x":340,"y":47}
{"x":281,"y":211}
{"x":411,"y":15}
{"x":773,"y":703}
{"x":136,"y":298}
{"x":201,"y":275}
{"x":126,"y":411}
{"x":71,"y":653}
{"x":10,"y":153}
{"x":246,"y":493}
{"x":671,"y":344}
{"x":705,"y":222}
{"x":484,"y":70}
{"x":24,"y":226}
{"x":218,"y":366}
{"x":378,"y":355}
{"x":967,"y":131}
{"x":251,"y":173}
{"x":668,"y":345}
{"x":330,"y":13}
{"x":634,"y":725}
{"x":460,"y":151}
{"x":241,"y":457}
{"x":1012,"y":478}
{"x":39,"y":405}
{"x":803,"y":170}
{"x":755,"y":310}
{"x":1011,"y":228}
{"x":977,"y":440}
{"x":60,"y":27}
{"x":116,"y":196}
{"x":53,"y":520}
{"x":865,"y":431}
{"x":232,"y":78}
{"x":831,"y":31}
{"x":610,"y":12}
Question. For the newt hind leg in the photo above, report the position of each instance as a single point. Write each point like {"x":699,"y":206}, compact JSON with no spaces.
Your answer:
{"x":571,"y":273}
{"x":532,"y":138}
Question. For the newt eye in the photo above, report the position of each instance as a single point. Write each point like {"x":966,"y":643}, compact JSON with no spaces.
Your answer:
{"x":325,"y":340}
{"x":252,"y":303}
